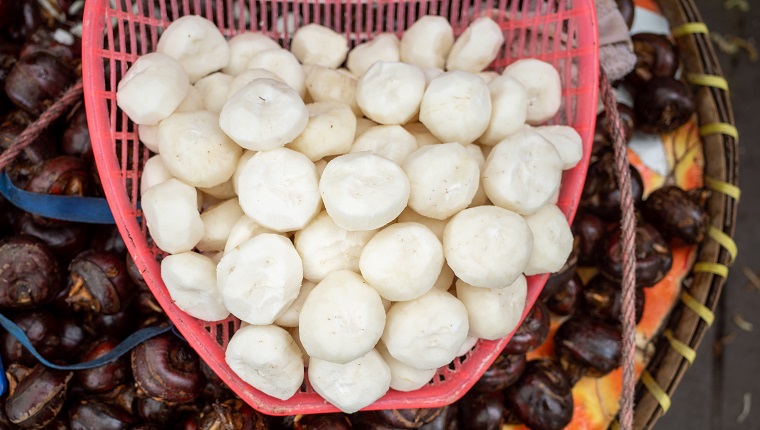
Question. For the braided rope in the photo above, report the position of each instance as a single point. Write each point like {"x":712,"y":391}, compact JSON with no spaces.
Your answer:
{"x":71,"y":96}
{"x":628,"y":227}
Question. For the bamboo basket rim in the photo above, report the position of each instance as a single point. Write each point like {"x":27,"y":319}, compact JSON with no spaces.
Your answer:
{"x":720,"y":145}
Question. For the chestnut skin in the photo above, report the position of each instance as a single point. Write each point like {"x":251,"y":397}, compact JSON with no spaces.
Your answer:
{"x":103,"y":378}
{"x":100,"y":283}
{"x":37,"y":80}
{"x":37,"y":397}
{"x":542,"y":397}
{"x":481,"y":411}
{"x":502,"y":373}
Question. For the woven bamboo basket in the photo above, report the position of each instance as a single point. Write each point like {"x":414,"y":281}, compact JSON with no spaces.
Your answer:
{"x":693,"y":314}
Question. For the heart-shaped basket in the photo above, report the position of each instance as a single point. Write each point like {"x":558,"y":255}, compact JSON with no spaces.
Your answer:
{"x":116,"y":32}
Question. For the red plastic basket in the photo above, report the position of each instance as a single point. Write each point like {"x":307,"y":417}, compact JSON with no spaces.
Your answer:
{"x":116,"y":32}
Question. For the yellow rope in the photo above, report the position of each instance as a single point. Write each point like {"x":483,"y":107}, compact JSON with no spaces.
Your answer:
{"x":681,"y":348}
{"x":719,"y":128}
{"x":725,"y":241}
{"x":690,"y":28}
{"x":698,"y":308}
{"x":730,"y":190}
{"x":714,"y":268}
{"x":656,"y":391}
{"x":714,"y":81}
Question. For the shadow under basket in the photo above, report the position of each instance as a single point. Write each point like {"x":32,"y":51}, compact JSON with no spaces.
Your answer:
{"x":561,"y":32}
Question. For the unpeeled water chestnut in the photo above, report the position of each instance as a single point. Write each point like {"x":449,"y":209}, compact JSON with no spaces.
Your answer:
{"x":100,"y":283}
{"x":35,"y":399}
{"x":588,"y":347}
{"x":603,"y":299}
{"x":29,"y":276}
{"x":36,"y":80}
{"x":103,"y":378}
{"x":565,"y":301}
{"x":603,"y":138}
{"x":232,"y":414}
{"x":558,"y":279}
{"x":502,"y":373}
{"x":542,"y":398}
{"x":31,"y":157}
{"x":589,"y":230}
{"x":601,"y":193}
{"x":62,"y":237}
{"x":656,"y":57}
{"x":662,"y":105}
{"x":653,"y":256}
{"x":154,"y":411}
{"x":167,"y":369}
{"x":76,"y":137}
{"x":447,"y":420}
{"x":627,"y":9}
{"x":93,"y":414}
{"x":62,"y":175}
{"x":677,"y":214}
{"x":322,"y":422}
{"x":398,"y":418}
{"x":40,"y":329}
{"x":481,"y":411}
{"x":532,"y":332}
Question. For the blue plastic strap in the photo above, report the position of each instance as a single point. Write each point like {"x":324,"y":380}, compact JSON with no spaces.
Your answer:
{"x":125,"y":346}
{"x":92,"y":210}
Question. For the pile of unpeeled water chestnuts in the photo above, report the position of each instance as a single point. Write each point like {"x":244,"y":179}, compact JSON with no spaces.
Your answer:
{"x":75,"y":292}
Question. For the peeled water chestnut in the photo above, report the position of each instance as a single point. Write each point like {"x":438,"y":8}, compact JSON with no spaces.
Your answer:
{"x":662,"y":105}
{"x":532,"y":332}
{"x":653,"y":255}
{"x":588,"y":347}
{"x":30,"y":275}
{"x":677,"y":214}
{"x":542,"y":398}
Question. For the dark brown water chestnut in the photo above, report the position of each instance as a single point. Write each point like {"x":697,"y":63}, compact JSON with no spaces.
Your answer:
{"x":656,"y":57}
{"x":676,"y":214}
{"x":448,"y":419}
{"x":37,"y":80}
{"x":603,"y":138}
{"x":31,"y":157}
{"x":124,"y":396}
{"x":322,"y":422}
{"x":117,"y":325}
{"x":29,"y":275}
{"x":65,"y":239}
{"x":62,"y":175}
{"x":626,"y":9}
{"x":26,"y":18}
{"x":154,"y":411}
{"x":653,"y":255}
{"x":481,"y":411}
{"x":588,"y":347}
{"x":398,"y":418}
{"x":566,"y":273}
{"x":662,"y":105}
{"x":565,"y":301}
{"x":603,"y":299}
{"x":503,"y":372}
{"x":233,"y":414}
{"x":56,"y":41}
{"x":96,"y":415}
{"x":107,"y":238}
{"x":35,"y":399}
{"x":589,"y":230}
{"x":601,"y":193}
{"x":542,"y":398}
{"x":167,"y":369}
{"x":40,"y":327}
{"x":532,"y":332}
{"x":103,"y":378}
{"x":76,"y":137}
{"x":99,"y":283}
